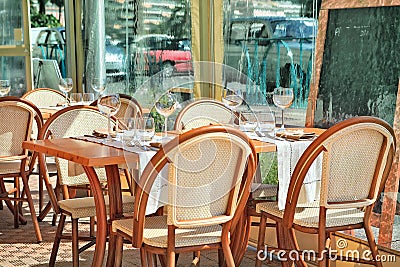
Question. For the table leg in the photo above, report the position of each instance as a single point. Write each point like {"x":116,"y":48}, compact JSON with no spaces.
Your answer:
{"x":116,"y":210}
{"x":101,"y":235}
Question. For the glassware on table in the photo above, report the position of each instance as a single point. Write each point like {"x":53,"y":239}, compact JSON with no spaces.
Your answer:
{"x":75,"y":99}
{"x":87,"y":98}
{"x":65,"y":85}
{"x":283,"y":98}
{"x":4,"y":87}
{"x":266,"y":123}
{"x":129,"y":133}
{"x":247,"y":121}
{"x":232,"y":99}
{"x":144,"y":130}
{"x":165,"y":106}
{"x":109,"y":105}
{"x":98,"y":85}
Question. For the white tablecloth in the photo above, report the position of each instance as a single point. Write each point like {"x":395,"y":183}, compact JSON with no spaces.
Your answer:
{"x":288,"y":154}
{"x":158,"y":195}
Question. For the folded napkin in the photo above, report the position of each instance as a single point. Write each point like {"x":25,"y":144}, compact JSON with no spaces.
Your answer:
{"x":295,"y":135}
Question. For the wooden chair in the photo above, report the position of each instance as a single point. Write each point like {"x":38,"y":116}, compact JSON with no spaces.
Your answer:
{"x":207,"y":111}
{"x":203,"y":112}
{"x":206,"y":194}
{"x":74,"y":121}
{"x":44,"y":97}
{"x":14,"y":160}
{"x":357,"y":155}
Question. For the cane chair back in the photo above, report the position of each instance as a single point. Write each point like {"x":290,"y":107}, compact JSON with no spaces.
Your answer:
{"x":357,"y":156}
{"x":14,"y":160}
{"x":44,"y":97}
{"x":210,"y":174}
{"x":130,"y":108}
{"x":204,"y":112}
{"x":69,"y":122}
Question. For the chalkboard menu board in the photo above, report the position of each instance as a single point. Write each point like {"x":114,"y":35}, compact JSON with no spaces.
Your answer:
{"x":358,"y":71}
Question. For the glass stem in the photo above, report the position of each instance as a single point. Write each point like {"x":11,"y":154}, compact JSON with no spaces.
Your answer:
{"x":109,"y":127}
{"x":283,"y":124}
{"x":165,"y":125}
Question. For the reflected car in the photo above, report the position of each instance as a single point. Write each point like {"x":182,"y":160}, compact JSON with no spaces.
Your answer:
{"x":264,"y":47}
{"x":159,"y":52}
{"x":50,"y":44}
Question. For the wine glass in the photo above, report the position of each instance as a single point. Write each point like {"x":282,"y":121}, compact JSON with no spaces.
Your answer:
{"x":65,"y":86}
{"x":283,"y":98}
{"x":98,"y":85}
{"x":4,"y":87}
{"x":109,"y":105}
{"x":232,"y":99}
{"x":165,"y":106}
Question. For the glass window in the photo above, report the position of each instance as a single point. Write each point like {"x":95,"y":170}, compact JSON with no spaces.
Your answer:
{"x":272,"y":43}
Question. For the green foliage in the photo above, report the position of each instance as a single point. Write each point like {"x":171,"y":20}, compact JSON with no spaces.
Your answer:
{"x":158,"y":120}
{"x":269,"y":168}
{"x":44,"y":20}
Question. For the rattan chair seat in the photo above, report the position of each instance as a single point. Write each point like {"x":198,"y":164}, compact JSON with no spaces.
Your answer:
{"x":264,"y":190}
{"x":9,"y":167}
{"x":309,"y":216}
{"x":85,"y":207}
{"x":156,"y":233}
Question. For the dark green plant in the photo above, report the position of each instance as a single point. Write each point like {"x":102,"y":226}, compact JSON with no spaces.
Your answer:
{"x":44,"y":20}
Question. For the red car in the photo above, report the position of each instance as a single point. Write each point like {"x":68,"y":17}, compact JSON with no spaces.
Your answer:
{"x":157,"y":52}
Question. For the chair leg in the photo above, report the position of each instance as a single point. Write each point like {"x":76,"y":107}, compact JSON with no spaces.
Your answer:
{"x":227,"y":252}
{"x":143,"y":257}
{"x":321,"y":247}
{"x":31,"y":208}
{"x":119,"y":243}
{"x":372,"y":245}
{"x":112,"y":247}
{"x":221,"y":259}
{"x":16,"y":203}
{"x":300,"y":262}
{"x":280,"y":236}
{"x":10,"y":205}
{"x":57,"y":240}
{"x":75,"y":243}
{"x":261,"y":239}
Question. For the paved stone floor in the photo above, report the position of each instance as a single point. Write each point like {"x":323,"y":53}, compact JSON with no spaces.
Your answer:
{"x":18,"y":247}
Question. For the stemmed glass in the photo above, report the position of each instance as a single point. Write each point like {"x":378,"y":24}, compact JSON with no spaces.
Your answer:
{"x":65,"y":86}
{"x":98,"y":85}
{"x":283,"y":98}
{"x":165,"y":106}
{"x":4,"y":87}
{"x":109,"y":105}
{"x":232,"y":99}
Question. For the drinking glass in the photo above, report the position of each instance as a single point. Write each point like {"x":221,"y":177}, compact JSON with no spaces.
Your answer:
{"x":65,"y":85}
{"x":109,"y":105}
{"x":75,"y":99}
{"x":4,"y":87}
{"x":165,"y":106}
{"x":266,"y":122}
{"x":247,"y":121}
{"x":87,"y":98}
{"x":99,"y":85}
{"x":283,"y":98}
{"x":232,"y":99}
{"x":144,"y":130}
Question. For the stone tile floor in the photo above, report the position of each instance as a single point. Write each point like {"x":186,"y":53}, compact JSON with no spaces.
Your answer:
{"x":18,"y":247}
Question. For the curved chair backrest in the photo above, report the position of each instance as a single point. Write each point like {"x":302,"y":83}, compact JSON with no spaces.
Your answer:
{"x":74,"y":121}
{"x":44,"y":97}
{"x":130,"y":108}
{"x":203,"y":112}
{"x":208,"y":179}
{"x":24,"y":115}
{"x":357,"y":155}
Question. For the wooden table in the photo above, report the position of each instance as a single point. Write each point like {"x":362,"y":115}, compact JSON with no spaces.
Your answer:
{"x":91,"y":155}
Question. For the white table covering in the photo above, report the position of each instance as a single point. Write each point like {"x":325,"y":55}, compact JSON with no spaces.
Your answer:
{"x":158,"y":195}
{"x":288,"y":154}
